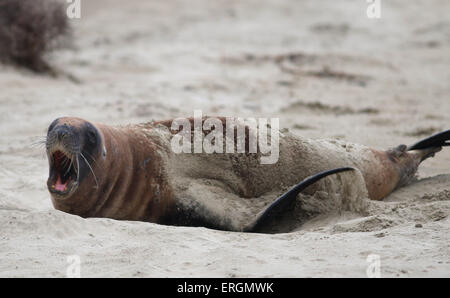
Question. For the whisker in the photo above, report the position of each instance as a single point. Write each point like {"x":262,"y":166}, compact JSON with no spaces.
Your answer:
{"x":95,"y":177}
{"x":63,"y":159}
{"x":38,"y":141}
{"x":93,"y":159}
{"x":66,"y":161}
{"x":78,"y":171}
{"x":68,"y":168}
{"x":38,"y":144}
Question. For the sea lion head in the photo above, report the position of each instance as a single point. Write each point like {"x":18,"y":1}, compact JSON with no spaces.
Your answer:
{"x":73,"y":146}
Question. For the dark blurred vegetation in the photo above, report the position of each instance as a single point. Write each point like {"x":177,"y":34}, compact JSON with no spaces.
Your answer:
{"x":30,"y":29}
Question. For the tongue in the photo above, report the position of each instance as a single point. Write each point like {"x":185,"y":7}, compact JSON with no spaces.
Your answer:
{"x":59,"y":185}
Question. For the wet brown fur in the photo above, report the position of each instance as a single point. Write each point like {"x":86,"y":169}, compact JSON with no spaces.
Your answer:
{"x":132,"y":184}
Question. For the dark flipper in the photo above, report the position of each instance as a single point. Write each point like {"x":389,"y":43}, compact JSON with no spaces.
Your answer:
{"x":288,"y":197}
{"x":438,"y":140}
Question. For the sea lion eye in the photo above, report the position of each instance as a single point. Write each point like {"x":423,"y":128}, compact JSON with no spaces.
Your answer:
{"x":92,"y":136}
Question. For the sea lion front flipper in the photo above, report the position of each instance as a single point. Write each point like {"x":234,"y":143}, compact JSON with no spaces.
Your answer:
{"x":288,"y":197}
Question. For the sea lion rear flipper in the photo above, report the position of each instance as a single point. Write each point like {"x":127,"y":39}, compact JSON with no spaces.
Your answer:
{"x":429,"y":146}
{"x":438,"y":140}
{"x":288,"y":197}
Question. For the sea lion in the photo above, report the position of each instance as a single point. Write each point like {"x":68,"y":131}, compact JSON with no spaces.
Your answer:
{"x":131,"y":173}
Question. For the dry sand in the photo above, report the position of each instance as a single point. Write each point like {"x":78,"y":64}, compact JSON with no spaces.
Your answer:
{"x":322,"y":67}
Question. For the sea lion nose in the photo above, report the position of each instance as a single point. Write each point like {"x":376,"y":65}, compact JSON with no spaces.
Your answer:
{"x":61,"y":135}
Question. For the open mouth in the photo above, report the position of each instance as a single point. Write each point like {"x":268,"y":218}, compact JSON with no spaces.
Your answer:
{"x":63,"y":173}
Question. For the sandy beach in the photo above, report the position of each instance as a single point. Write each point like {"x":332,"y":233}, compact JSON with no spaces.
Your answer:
{"x":322,"y":67}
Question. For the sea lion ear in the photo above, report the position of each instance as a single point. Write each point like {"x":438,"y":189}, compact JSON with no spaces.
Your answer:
{"x":287,"y":198}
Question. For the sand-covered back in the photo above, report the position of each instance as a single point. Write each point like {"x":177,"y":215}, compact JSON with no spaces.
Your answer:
{"x":322,"y":67}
